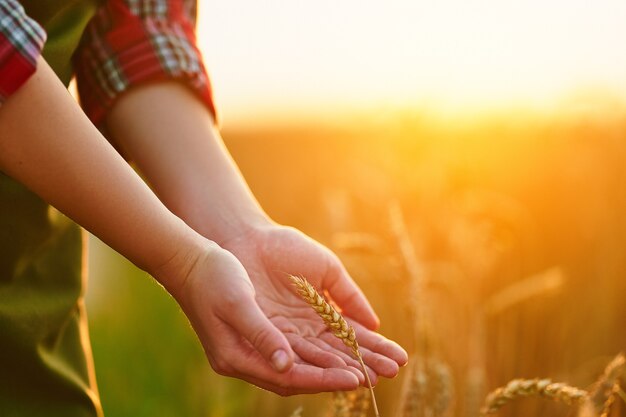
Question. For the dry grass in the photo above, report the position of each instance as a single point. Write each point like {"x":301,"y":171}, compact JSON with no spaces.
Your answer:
{"x":335,"y":323}
{"x":429,"y":389}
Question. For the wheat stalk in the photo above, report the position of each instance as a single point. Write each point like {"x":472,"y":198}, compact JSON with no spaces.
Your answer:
{"x":442,"y":386}
{"x":415,"y":390}
{"x":429,"y":390}
{"x":604,"y":388}
{"x":606,"y":409}
{"x":335,"y":323}
{"x":544,"y":283}
{"x":528,"y":387}
{"x":297,"y":412}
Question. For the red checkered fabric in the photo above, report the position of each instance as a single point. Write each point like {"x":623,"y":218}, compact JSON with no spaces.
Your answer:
{"x":129,"y":42}
{"x":126,"y":43}
{"x":21,"y":41}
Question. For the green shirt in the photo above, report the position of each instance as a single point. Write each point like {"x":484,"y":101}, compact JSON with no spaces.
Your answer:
{"x":64,"y":22}
{"x":46,"y":368}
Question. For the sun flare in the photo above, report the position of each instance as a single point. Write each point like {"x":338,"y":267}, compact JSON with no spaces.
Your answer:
{"x":274,"y":56}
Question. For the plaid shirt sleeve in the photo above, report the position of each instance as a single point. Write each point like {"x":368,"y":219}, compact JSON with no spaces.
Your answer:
{"x":21,"y":41}
{"x":129,"y":42}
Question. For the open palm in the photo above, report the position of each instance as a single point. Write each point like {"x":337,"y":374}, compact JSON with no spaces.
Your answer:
{"x":269,"y":255}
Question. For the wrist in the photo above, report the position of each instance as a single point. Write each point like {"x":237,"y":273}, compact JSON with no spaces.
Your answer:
{"x":221,"y":223}
{"x":254,"y":230}
{"x":189,"y":249}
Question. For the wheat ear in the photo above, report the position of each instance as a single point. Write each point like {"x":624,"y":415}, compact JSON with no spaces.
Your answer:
{"x":527,"y":387}
{"x":335,"y":323}
{"x":350,"y":404}
{"x":604,"y":388}
{"x":341,"y":404}
{"x":429,"y":389}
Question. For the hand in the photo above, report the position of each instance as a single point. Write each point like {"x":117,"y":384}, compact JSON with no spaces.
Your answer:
{"x":271,"y":252}
{"x":217,"y":296}
{"x":241,"y":325}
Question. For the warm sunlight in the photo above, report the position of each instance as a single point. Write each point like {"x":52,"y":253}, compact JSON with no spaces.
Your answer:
{"x":268,"y":56}
{"x":460,"y":161}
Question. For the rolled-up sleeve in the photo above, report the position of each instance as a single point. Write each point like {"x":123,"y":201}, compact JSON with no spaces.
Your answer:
{"x":129,"y":42}
{"x":21,"y":42}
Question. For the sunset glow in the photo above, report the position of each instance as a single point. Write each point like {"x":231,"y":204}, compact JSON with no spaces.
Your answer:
{"x":322,"y":56}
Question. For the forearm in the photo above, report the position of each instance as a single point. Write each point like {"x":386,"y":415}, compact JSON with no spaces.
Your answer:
{"x":171,"y":137}
{"x":48,"y":144}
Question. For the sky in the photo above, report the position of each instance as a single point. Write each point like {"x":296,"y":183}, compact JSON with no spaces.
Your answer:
{"x":268,"y":58}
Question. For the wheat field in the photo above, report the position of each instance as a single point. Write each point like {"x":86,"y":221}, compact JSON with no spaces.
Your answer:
{"x":494,"y":251}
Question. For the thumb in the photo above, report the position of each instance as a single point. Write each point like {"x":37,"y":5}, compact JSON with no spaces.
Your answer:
{"x":250,"y":321}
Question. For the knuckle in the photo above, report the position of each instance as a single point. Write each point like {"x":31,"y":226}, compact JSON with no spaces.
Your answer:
{"x":230,"y":300}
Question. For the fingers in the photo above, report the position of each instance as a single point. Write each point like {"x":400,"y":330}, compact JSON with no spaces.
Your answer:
{"x":324,"y":357}
{"x":341,"y":352}
{"x":349,"y":296}
{"x":300,"y":379}
{"x":248,"y":319}
{"x":378,"y":343}
{"x":347,"y":357}
{"x":379,"y":364}
{"x":231,"y":355}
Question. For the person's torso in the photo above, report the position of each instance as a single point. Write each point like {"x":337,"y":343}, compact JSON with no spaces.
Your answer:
{"x":64,"y":22}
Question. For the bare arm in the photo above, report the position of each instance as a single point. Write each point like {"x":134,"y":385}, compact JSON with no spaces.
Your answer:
{"x":48,"y":144}
{"x":171,"y":137}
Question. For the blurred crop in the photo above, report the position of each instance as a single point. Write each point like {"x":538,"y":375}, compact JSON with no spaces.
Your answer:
{"x":492,"y":249}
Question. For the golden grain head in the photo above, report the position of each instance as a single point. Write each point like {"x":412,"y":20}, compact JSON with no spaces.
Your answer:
{"x":335,"y":323}
{"x":350,"y":404}
{"x":518,"y":388}
{"x":603,"y":388}
{"x":333,"y":320}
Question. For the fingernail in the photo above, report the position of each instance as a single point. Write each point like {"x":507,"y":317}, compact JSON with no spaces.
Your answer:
{"x":280,"y":360}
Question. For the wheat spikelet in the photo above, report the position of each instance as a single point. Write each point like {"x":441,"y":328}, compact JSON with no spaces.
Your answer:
{"x":610,"y":399}
{"x":604,"y":387}
{"x":428,"y":390}
{"x":360,"y":403}
{"x":414,"y":394}
{"x":620,"y":393}
{"x":528,"y":387}
{"x":335,"y":323}
{"x":341,"y":405}
{"x":333,"y":320}
{"x":441,"y":390}
{"x":474,"y":391}
{"x":350,"y":404}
